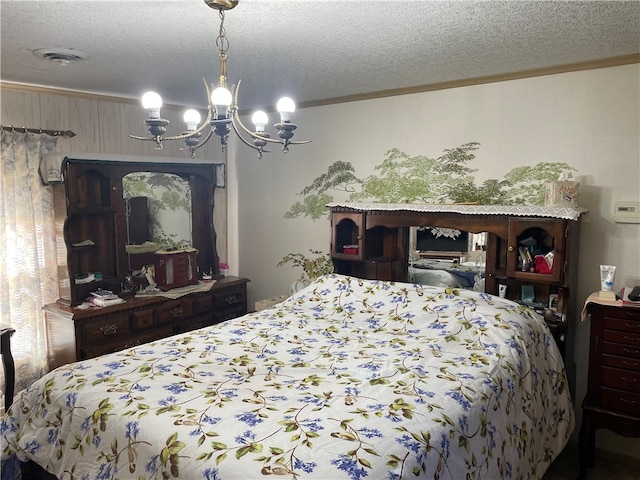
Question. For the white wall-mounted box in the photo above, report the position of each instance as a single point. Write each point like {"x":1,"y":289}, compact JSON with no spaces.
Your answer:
{"x":627,"y":212}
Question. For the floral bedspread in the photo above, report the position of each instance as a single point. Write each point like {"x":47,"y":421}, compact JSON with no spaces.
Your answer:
{"x":347,"y":379}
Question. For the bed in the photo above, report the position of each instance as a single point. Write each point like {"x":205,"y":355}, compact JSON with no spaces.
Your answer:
{"x":348,"y":378}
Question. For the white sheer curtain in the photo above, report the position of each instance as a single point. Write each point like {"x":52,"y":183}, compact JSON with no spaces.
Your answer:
{"x":28,"y":266}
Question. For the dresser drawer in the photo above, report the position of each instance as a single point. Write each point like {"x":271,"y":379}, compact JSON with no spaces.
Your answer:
{"x":196,"y":323}
{"x":624,"y":324}
{"x":173,"y":310}
{"x":203,"y":304}
{"x":617,"y":336}
{"x":621,"y":362}
{"x":142,"y":319}
{"x":621,"y":379}
{"x":621,"y":401}
{"x":623,"y":350}
{"x":229,"y":314}
{"x":105,"y":328}
{"x":132,"y":341}
{"x":230,"y":297}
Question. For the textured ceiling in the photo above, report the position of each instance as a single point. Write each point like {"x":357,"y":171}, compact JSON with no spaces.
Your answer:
{"x":312,"y":50}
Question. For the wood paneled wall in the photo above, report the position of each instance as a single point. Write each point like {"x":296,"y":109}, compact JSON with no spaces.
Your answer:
{"x":103,"y":125}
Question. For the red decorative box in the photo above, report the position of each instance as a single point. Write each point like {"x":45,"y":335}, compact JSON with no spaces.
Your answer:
{"x":350,"y":249}
{"x":176,"y":269}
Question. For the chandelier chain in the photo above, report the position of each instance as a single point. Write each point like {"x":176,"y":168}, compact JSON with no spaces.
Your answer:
{"x":223,"y":45}
{"x":221,"y":42}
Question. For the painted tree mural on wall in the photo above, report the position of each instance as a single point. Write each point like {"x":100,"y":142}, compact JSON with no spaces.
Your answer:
{"x":401,"y":178}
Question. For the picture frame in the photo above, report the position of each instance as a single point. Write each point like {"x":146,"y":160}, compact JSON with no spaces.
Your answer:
{"x":221,"y":175}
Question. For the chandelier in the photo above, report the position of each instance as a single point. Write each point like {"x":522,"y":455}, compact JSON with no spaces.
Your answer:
{"x":222,"y":111}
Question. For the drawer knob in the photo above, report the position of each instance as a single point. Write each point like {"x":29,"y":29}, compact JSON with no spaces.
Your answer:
{"x":633,"y":326}
{"x":110,"y":329}
{"x":177,"y":312}
{"x":625,"y":400}
{"x":630,"y":364}
{"x":230,"y":299}
{"x":630,"y":380}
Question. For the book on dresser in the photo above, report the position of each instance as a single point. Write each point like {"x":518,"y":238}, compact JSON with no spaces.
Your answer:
{"x":104,"y":298}
{"x":101,"y":302}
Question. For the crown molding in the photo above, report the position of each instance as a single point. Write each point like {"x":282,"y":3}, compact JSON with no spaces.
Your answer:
{"x":503,"y":77}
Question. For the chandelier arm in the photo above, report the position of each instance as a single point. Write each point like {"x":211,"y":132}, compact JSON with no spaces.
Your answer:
{"x":298,"y":142}
{"x":184,"y":136}
{"x":246,"y":142}
{"x":147,"y":139}
{"x":236,"y":118}
{"x":204,"y":125}
{"x":202,"y":142}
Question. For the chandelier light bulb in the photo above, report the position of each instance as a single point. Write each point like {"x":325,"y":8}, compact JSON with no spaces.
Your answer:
{"x":221,"y":99}
{"x":152,"y":102}
{"x":192,"y":119}
{"x":285,"y":107}
{"x":259,"y":119}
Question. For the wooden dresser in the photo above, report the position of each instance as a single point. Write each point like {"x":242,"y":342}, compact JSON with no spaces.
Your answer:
{"x":74,"y":334}
{"x":613,"y":391}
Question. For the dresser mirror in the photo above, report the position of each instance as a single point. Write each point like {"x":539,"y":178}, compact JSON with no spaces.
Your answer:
{"x":157,"y":210}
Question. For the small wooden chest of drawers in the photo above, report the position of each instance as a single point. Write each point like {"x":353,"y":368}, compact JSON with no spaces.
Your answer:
{"x":75,"y":334}
{"x":613,"y":390}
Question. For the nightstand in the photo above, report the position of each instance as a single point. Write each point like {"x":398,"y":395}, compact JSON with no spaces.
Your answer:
{"x":613,"y":389}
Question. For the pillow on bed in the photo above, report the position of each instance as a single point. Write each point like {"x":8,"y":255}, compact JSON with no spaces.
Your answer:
{"x":436,"y":278}
{"x":433,"y":264}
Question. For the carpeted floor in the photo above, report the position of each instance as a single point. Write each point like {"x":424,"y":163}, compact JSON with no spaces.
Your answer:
{"x":605,"y":467}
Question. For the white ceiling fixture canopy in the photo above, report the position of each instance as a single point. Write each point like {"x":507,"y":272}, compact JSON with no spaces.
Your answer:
{"x":222,"y":111}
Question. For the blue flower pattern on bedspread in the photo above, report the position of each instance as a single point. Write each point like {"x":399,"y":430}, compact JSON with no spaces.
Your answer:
{"x":347,"y":379}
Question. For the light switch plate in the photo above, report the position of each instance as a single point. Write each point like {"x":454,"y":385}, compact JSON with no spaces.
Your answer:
{"x":627,"y":212}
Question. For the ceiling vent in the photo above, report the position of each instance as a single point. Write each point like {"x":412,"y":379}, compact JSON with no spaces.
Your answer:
{"x":61,"y":56}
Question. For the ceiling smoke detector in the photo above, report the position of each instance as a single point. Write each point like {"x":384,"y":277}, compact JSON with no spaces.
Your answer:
{"x":61,"y":56}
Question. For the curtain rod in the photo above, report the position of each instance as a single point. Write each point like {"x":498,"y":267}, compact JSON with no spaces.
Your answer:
{"x":53,"y":133}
